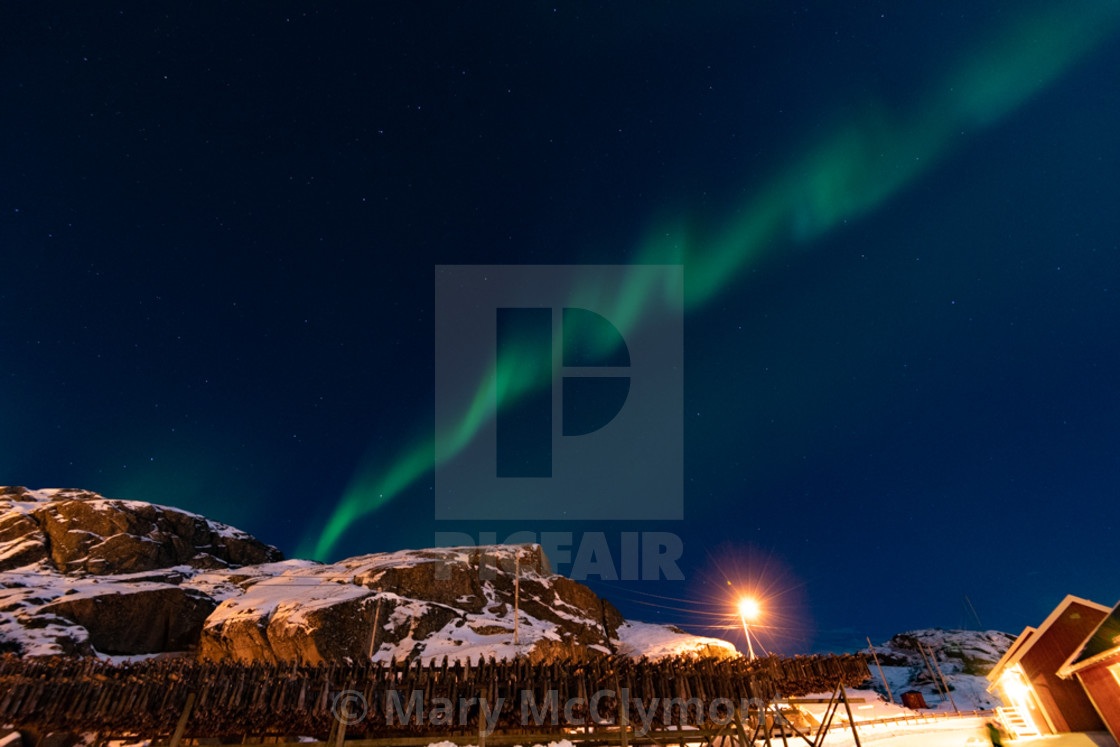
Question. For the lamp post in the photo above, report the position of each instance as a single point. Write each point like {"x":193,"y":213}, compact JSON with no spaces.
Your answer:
{"x":748,"y":610}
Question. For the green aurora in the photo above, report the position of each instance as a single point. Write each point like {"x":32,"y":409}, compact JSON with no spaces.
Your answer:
{"x":867,"y":159}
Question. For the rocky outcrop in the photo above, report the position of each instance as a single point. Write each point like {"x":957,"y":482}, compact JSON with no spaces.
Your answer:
{"x":927,"y":660}
{"x":26,"y":629}
{"x":456,"y":602}
{"x":140,"y":621}
{"x":22,"y":540}
{"x":78,"y":531}
{"x":81,"y":574}
{"x":973,"y":651}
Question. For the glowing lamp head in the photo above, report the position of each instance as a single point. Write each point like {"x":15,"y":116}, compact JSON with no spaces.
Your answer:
{"x":748,"y":608}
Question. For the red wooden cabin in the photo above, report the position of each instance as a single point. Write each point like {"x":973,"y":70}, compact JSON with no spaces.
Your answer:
{"x":1096,"y":665}
{"x":1036,"y":699}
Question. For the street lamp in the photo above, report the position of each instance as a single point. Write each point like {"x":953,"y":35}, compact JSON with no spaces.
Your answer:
{"x":748,"y":610}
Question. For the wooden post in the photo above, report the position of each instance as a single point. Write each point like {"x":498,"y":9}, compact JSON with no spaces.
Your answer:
{"x":182,"y":725}
{"x":623,"y":716}
{"x":481,"y":718}
{"x":759,"y":729}
{"x":979,"y":625}
{"x":851,"y":719}
{"x":943,"y":682}
{"x":780,"y":722}
{"x":340,"y":735}
{"x":516,"y":593}
{"x":330,"y":734}
{"x":929,"y":667}
{"x":826,"y":719}
{"x":739,"y":728}
{"x":373,"y":629}
{"x":890,"y":698}
{"x":786,"y":722}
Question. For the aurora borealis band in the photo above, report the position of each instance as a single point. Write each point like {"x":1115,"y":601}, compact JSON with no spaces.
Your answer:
{"x":219,"y":232}
{"x":862,"y":162}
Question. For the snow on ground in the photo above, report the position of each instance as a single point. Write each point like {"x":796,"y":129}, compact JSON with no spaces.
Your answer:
{"x":967,"y":732}
{"x":963,"y":657}
{"x":867,"y":705}
{"x":964,"y":733}
{"x":469,"y":636}
{"x":275,"y":599}
{"x":224,"y":584}
{"x":969,"y":691}
{"x":658,"y":641}
{"x":961,"y":735}
{"x":1090,"y":739}
{"x":938,"y":726}
{"x":31,"y":587}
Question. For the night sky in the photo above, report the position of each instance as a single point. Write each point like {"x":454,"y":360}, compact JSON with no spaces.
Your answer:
{"x":219,"y":227}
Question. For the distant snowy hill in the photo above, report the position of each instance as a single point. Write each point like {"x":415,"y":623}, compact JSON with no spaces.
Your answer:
{"x":81,"y":574}
{"x":963,"y":656}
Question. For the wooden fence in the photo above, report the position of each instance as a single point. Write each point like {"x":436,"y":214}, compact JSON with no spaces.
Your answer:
{"x":176,"y":698}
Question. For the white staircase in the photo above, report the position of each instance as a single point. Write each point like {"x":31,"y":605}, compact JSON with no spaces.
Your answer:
{"x":1017,"y":723}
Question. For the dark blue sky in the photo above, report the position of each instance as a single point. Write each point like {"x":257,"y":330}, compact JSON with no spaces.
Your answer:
{"x":218,"y":230}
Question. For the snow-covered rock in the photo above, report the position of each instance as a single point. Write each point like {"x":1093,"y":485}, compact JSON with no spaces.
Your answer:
{"x":455,"y":602}
{"x":81,"y":574}
{"x":963,"y":657}
{"x":75,"y":531}
{"x":639,"y":639}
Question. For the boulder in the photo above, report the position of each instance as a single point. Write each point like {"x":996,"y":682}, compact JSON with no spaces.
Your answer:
{"x":457,"y":602}
{"x":81,"y":532}
{"x":79,"y":573}
{"x":143,"y":621}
